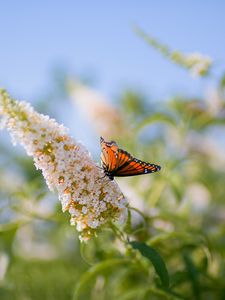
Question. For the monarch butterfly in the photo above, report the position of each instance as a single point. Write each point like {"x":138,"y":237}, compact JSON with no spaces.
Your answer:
{"x":119,"y":163}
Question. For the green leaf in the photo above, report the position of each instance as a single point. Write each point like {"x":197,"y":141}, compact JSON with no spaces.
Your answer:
{"x":193,"y":274}
{"x":94,"y":271}
{"x":222,"y":81}
{"x":128,"y":225}
{"x":155,"y":258}
{"x":157,"y":117}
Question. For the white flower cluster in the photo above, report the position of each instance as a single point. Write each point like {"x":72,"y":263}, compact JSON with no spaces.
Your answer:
{"x":197,"y":63}
{"x":106,"y":119}
{"x":66,"y":166}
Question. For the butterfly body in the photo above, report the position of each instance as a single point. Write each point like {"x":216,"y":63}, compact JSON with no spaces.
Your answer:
{"x":119,"y":163}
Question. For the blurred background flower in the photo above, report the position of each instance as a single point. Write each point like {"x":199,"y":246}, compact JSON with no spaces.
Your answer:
{"x":196,"y":63}
{"x":103,"y":116}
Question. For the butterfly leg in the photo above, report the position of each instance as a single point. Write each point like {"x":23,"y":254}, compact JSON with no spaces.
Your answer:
{"x":108,"y":181}
{"x":99,"y":167}
{"x":100,"y":178}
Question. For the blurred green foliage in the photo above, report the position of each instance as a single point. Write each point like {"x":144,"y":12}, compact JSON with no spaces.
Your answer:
{"x":176,"y":216}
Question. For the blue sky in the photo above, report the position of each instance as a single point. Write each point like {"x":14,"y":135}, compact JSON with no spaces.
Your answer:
{"x":96,"y":38}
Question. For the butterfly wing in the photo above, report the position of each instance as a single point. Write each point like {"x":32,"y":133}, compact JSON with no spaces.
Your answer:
{"x":109,"y":155}
{"x":120,"y":163}
{"x":130,"y":166}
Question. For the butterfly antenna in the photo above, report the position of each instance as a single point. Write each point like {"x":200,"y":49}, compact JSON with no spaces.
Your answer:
{"x":103,"y":178}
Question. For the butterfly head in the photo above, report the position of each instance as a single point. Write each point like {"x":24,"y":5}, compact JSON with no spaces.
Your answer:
{"x":108,"y":144}
{"x":109,"y":175}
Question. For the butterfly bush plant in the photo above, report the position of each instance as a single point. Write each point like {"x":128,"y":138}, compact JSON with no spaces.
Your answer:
{"x":66,"y":166}
{"x":199,"y":65}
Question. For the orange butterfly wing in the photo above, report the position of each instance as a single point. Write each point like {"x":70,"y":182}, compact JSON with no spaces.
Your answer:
{"x":130,"y":166}
{"x":120,"y":163}
{"x":109,"y":155}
